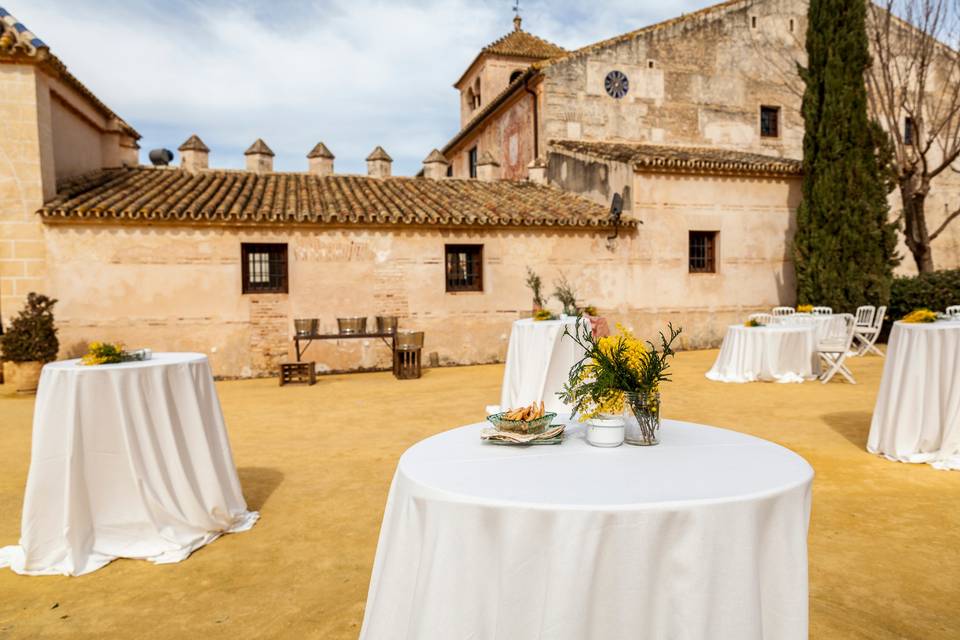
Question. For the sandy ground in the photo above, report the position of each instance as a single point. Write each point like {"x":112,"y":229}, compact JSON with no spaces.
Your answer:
{"x":317,"y":462}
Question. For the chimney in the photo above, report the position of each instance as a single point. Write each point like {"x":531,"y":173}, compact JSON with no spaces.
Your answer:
{"x":378,"y":163}
{"x":320,"y":160}
{"x":537,"y":171}
{"x":259,"y":157}
{"x":194,"y":155}
{"x":488,"y":169}
{"x":435,"y":166}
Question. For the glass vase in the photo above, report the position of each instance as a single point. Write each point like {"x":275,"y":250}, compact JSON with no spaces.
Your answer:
{"x":641,"y":413}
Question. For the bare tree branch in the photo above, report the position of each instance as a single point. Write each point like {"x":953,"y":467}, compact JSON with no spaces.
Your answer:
{"x":944,"y":224}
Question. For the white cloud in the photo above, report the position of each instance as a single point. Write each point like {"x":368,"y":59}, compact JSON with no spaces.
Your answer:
{"x":354,"y":74}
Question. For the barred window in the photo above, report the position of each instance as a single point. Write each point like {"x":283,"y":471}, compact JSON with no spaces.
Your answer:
{"x":769,"y":122}
{"x":703,"y":252}
{"x":464,"y":267}
{"x":264,"y":268}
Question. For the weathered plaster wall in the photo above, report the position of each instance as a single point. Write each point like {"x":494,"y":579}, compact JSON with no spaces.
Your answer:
{"x":76,"y":143}
{"x":176,"y":288}
{"x":494,"y":73}
{"x":698,"y":82}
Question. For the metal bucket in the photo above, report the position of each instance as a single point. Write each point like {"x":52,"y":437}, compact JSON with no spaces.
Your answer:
{"x":306,"y":326}
{"x":409,"y":340}
{"x":386,"y":324}
{"x":352,"y":325}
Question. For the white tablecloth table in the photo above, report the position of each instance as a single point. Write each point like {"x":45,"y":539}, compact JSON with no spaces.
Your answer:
{"x":777,"y":353}
{"x":539,"y":359}
{"x":128,"y":460}
{"x":701,"y":537}
{"x":917,"y":415}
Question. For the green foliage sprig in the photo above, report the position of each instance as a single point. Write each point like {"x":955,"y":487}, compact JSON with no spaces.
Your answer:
{"x":563,"y":291}
{"x":536,"y":285}
{"x":615,"y":364}
{"x":32,"y":335}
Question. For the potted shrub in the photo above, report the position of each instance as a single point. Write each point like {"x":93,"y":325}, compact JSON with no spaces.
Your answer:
{"x":536,"y":286}
{"x":30,"y":342}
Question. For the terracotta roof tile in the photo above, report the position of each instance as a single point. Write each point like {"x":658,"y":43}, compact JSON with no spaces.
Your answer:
{"x":193,"y":143}
{"x":145,"y":195}
{"x":682,"y":159}
{"x":320,"y":151}
{"x":259,"y":147}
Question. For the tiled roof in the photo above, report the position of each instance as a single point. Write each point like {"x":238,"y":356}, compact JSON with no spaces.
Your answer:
{"x":18,"y":44}
{"x":521,"y":44}
{"x":682,"y":159}
{"x":259,"y":147}
{"x":145,"y":195}
{"x":320,"y":151}
{"x":193,"y":143}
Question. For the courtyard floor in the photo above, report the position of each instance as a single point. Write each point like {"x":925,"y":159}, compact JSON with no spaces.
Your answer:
{"x":317,"y":463}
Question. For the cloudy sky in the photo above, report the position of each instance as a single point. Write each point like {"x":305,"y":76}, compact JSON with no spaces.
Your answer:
{"x":352,"y":73}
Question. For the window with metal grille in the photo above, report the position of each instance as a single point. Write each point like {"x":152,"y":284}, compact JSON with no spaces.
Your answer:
{"x":908,"y":130}
{"x":264,"y":268}
{"x":770,"y":122}
{"x":464,"y":267}
{"x":472,"y":156}
{"x":703,"y":252}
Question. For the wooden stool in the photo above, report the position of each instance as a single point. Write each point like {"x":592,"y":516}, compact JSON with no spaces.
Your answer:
{"x":406,"y":363}
{"x":298,"y":373}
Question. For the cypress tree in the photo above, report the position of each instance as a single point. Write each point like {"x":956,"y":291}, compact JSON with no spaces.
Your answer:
{"x":845,"y":245}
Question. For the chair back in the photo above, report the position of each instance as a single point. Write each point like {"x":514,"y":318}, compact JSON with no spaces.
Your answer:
{"x":865,"y":315}
{"x":822,"y":311}
{"x":879,"y":317}
{"x":840,"y":334}
{"x":954,"y":310}
{"x":783,"y":311}
{"x":762,"y":318}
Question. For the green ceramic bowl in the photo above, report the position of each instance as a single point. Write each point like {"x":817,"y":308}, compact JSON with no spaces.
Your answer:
{"x":539,"y":425}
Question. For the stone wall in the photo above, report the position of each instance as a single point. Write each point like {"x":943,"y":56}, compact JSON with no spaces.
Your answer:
{"x":494,"y":73}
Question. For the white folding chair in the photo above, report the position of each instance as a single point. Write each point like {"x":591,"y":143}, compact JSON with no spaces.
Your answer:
{"x":867,"y":336}
{"x":865,"y":315}
{"x":762,"y":318}
{"x":954,"y":310}
{"x":783,"y":311}
{"x":822,"y":311}
{"x":834,"y":348}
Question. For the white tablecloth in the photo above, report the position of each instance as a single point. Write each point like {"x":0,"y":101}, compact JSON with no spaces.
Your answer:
{"x":825,"y":325}
{"x":129,"y":461}
{"x":917,"y":415}
{"x":538,"y":364}
{"x":701,"y":537}
{"x":780,"y":353}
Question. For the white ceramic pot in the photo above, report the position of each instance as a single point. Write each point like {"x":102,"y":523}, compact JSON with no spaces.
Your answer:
{"x":606,"y":431}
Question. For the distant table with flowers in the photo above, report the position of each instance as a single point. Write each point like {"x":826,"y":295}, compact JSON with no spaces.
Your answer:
{"x":703,"y":536}
{"x":917,"y":414}
{"x":539,"y":358}
{"x":129,"y":460}
{"x":773,"y":353}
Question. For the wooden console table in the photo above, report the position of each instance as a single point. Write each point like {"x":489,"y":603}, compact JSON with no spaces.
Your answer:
{"x":388,"y":339}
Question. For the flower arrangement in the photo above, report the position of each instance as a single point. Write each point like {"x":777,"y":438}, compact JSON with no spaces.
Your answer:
{"x":804,"y":308}
{"x":536,"y":286}
{"x":103,"y":353}
{"x":108,"y":353}
{"x":753,"y":322}
{"x":614,"y":366}
{"x":590,"y":310}
{"x":920,"y":315}
{"x":542,"y":314}
{"x":563,"y":291}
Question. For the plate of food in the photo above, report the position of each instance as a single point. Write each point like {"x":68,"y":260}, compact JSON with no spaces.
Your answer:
{"x":528,"y":420}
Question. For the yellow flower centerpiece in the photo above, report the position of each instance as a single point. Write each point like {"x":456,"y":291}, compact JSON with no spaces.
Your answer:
{"x":920,"y":315}
{"x":620,"y":374}
{"x":542,"y":314}
{"x":103,"y":353}
{"x":752,"y":322}
{"x":804,"y":308}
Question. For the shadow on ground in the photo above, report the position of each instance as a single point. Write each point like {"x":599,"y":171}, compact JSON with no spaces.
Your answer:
{"x":258,"y":485}
{"x":852,"y":425}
